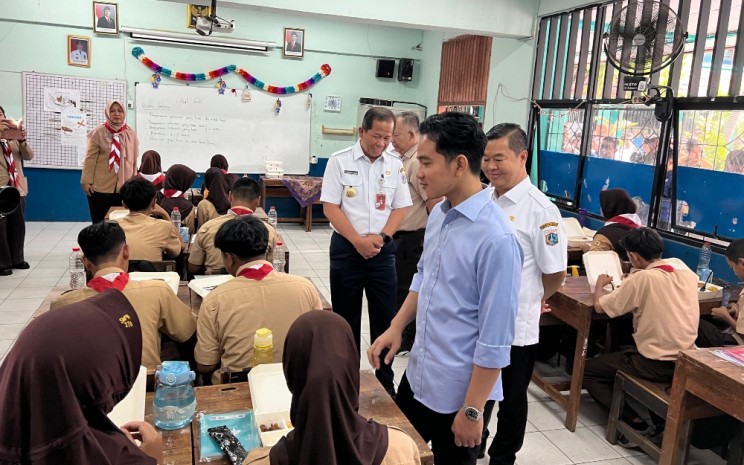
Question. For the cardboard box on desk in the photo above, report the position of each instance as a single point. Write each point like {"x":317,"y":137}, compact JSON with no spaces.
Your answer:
{"x":605,"y":262}
{"x":271,"y":401}
{"x":575,"y":234}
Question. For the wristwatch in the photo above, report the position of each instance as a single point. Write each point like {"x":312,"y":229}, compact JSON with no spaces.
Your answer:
{"x":385,"y":237}
{"x":472,"y":413}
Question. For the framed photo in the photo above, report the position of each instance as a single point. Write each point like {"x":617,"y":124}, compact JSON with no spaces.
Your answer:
{"x":294,"y":42}
{"x":105,"y":18}
{"x":78,"y":51}
{"x":194,"y":12}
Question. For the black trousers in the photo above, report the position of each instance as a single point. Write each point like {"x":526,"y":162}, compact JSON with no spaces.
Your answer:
{"x":599,"y":374}
{"x":350,"y":275}
{"x":435,"y":427}
{"x":512,"y":415}
{"x":13,"y":236}
{"x":99,"y":204}
{"x":710,"y":336}
{"x":409,"y":245}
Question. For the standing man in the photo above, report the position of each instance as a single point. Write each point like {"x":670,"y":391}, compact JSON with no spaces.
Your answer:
{"x":540,"y":230}
{"x":463,"y":297}
{"x":365,"y":194}
{"x":409,"y":240}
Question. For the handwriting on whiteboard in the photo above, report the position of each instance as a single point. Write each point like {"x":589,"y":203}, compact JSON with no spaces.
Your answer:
{"x":172,"y":128}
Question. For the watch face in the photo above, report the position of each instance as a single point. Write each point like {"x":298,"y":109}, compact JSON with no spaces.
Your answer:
{"x":472,"y":414}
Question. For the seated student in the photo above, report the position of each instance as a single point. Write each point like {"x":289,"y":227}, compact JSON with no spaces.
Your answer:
{"x":665,"y":309}
{"x":321,"y":366}
{"x":620,"y":211}
{"x":106,"y":255}
{"x":64,"y":374}
{"x":216,"y":201}
{"x":257,"y":298}
{"x":733,"y":335}
{"x":151,"y":169}
{"x":203,"y":255}
{"x":148,"y":238}
{"x":178,"y":181}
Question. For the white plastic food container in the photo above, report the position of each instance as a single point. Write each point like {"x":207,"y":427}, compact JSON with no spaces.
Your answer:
{"x":575,"y":234}
{"x":604,"y":262}
{"x":271,"y":401}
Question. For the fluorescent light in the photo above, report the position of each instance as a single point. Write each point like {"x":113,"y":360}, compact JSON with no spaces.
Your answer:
{"x":192,"y":40}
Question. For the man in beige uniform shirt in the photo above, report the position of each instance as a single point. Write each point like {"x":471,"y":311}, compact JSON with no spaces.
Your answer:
{"x":244,"y":199}
{"x":148,"y":238}
{"x":256,"y":298}
{"x":106,"y":255}
{"x":409,"y":240}
{"x":664,"y":304}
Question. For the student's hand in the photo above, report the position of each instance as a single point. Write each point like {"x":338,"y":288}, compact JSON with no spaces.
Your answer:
{"x":391,"y":340}
{"x":4,"y":125}
{"x":603,"y":280}
{"x":151,"y":441}
{"x":369,"y":246}
{"x":468,"y":433}
{"x":720,"y":312}
{"x":544,"y":307}
{"x":88,"y":189}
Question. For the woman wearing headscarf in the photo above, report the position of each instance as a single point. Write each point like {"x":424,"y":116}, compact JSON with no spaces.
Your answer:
{"x":216,"y":201}
{"x":151,"y":168}
{"x":179,"y":179}
{"x":64,"y":374}
{"x":321,"y":366}
{"x":620,"y":211}
{"x":110,"y":161}
{"x":219,"y":161}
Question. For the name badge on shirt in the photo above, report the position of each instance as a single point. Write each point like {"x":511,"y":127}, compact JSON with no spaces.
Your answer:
{"x":380,"y":201}
{"x":350,"y":172}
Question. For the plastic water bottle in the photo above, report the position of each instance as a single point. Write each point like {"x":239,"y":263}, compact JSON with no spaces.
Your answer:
{"x":279,"y":257}
{"x":174,"y":403}
{"x":77,"y":269}
{"x":263,"y":347}
{"x":703,"y":266}
{"x":176,"y":218}
{"x":272,"y":216}
{"x":582,"y":217}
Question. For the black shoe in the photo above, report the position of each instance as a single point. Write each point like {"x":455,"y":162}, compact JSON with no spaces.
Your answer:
{"x":6,"y":271}
{"x":22,"y":266}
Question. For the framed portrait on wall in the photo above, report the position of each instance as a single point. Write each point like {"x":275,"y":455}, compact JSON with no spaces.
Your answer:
{"x":105,"y":18}
{"x":78,"y":51}
{"x":294,"y":42}
{"x":194,"y":12}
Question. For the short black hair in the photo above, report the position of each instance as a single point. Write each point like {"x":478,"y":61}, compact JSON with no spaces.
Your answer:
{"x":245,"y":237}
{"x":516,"y":137}
{"x":137,"y":194}
{"x":246,"y":189}
{"x":455,"y":133}
{"x":645,"y":242}
{"x":735,"y":250}
{"x":102,"y":241}
{"x":376,"y":114}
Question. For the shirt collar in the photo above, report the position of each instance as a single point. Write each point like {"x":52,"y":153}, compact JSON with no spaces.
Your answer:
{"x":516,"y":193}
{"x":253,"y":263}
{"x":358,"y":153}
{"x":472,"y":206}
{"x":410,"y":153}
{"x":108,"y":270}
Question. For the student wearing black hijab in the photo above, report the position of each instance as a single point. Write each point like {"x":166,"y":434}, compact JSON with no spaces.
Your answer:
{"x":64,"y":374}
{"x":179,"y":179}
{"x":216,"y":201}
{"x":620,"y":211}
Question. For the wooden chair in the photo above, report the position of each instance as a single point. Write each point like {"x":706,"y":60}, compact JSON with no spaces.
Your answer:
{"x":164,"y":265}
{"x":227,"y":377}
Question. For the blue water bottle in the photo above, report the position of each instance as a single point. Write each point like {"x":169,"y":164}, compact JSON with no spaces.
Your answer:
{"x":174,"y":402}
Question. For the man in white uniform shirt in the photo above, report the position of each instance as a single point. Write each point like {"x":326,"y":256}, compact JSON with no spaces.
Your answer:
{"x":79,"y":55}
{"x":540,"y":230}
{"x":365,"y":195}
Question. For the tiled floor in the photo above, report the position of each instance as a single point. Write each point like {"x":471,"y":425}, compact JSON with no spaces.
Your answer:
{"x":547,"y":442}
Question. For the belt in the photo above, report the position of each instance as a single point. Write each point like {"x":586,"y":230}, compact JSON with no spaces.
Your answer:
{"x":405,"y":233}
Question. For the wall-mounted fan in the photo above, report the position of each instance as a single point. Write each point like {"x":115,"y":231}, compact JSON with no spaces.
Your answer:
{"x":644,"y":37}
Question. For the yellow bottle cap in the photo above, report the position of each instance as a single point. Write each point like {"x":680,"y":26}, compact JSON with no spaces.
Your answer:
{"x":263,"y":338}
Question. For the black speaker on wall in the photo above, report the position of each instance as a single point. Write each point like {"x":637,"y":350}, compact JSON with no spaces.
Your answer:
{"x":405,"y":69}
{"x":385,"y":68}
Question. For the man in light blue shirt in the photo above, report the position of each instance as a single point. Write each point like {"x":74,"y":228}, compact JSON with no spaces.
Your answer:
{"x":464,"y":296}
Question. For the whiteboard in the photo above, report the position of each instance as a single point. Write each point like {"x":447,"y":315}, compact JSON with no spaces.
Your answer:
{"x":187,"y":124}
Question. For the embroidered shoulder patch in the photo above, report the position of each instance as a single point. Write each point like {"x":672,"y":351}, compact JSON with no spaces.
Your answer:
{"x":551,"y":234}
{"x":549,"y":225}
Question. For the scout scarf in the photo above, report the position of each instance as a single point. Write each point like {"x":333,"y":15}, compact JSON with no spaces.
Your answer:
{"x":238,"y":211}
{"x":630,"y":220}
{"x":116,"y":281}
{"x":172,"y":193}
{"x":256,"y":272}
{"x":11,"y":164}
{"x":115,"y":155}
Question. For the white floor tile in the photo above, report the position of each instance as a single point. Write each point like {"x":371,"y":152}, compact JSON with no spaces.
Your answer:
{"x":582,"y":445}
{"x":11,"y":331}
{"x":547,"y":416}
{"x":538,"y":450}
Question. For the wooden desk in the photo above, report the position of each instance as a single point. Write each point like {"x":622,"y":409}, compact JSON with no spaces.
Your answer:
{"x":701,"y":380}
{"x":181,"y":444}
{"x":573,"y":305}
{"x":272,"y":187}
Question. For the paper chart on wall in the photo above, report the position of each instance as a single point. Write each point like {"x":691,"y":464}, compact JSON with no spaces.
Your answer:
{"x":74,"y":127}
{"x":58,"y":100}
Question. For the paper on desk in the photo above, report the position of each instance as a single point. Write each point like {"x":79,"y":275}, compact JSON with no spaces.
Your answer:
{"x":117,"y":214}
{"x":203,"y":286}
{"x":132,"y":407}
{"x":171,"y":278}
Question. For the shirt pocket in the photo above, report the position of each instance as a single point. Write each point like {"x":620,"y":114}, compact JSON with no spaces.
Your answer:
{"x":353,"y":180}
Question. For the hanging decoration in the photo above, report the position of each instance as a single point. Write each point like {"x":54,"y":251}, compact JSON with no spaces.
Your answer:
{"x":247,"y":94}
{"x":278,"y":106}
{"x":155,"y":80}
{"x":221,"y":86}
{"x":325,"y":70}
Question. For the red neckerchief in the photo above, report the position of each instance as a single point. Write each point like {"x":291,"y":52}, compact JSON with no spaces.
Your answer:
{"x":100,"y":283}
{"x":170,"y":193}
{"x":241,"y":211}
{"x":13,"y":181}
{"x":667,"y":268}
{"x":624,"y":221}
{"x":155,"y":179}
{"x":115,"y":155}
{"x":223,"y":171}
{"x":256,"y":272}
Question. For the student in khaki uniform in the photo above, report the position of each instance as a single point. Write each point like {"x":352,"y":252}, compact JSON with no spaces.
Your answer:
{"x":106,"y":255}
{"x":664,"y":304}
{"x":244,"y":198}
{"x":148,"y":238}
{"x":257,"y":298}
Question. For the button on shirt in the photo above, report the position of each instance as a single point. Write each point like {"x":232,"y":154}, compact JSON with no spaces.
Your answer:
{"x":353,"y":182}
{"x":540,"y":231}
{"x":468,"y":284}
